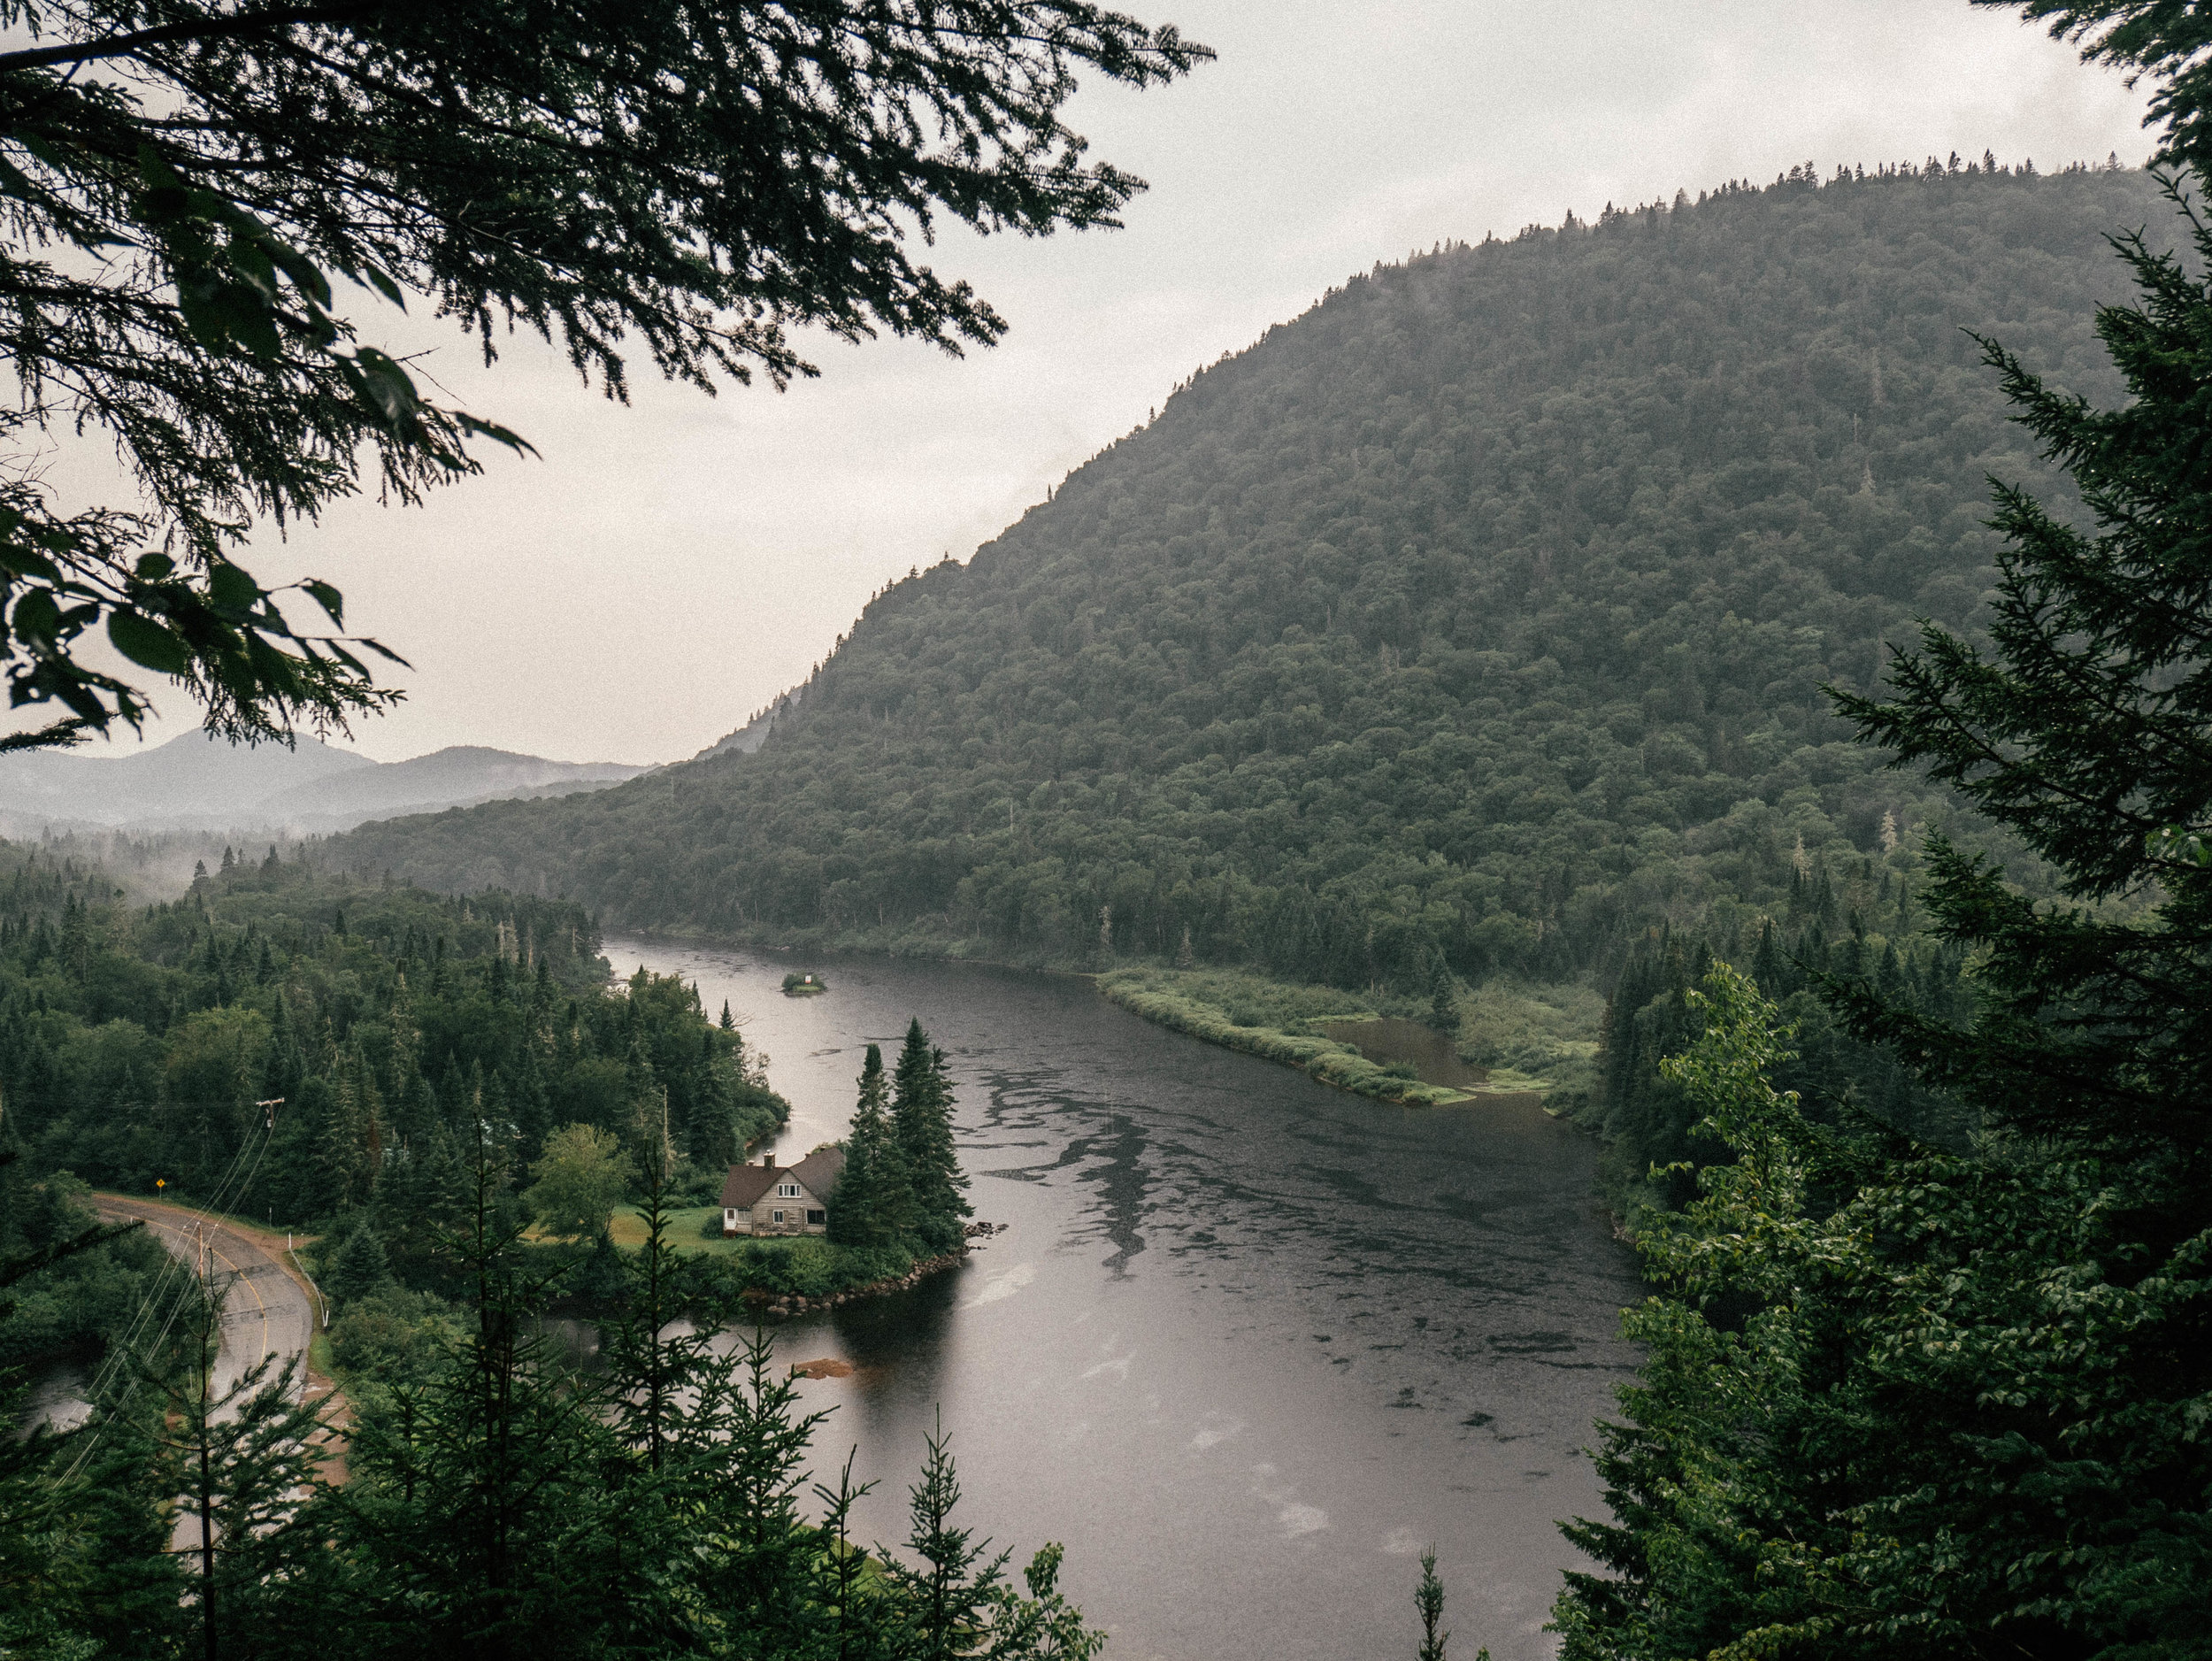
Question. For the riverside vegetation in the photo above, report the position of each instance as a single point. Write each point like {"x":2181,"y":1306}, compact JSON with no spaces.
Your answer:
{"x":334,"y":1056}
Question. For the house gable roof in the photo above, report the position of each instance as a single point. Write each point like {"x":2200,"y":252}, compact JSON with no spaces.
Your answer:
{"x":747,"y":1185}
{"x":818,"y":1172}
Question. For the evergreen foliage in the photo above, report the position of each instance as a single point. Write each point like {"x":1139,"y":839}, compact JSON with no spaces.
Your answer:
{"x":1481,"y":612}
{"x":1903,"y":1401}
{"x":397,"y":1030}
{"x":359,"y":1269}
{"x":84,"y":1528}
{"x":874,"y":1203}
{"x":498,"y":1505}
{"x":902,"y":1188}
{"x":243,"y":1463}
{"x":2082,"y":728}
{"x":1821,"y":938}
{"x":921,"y":1123}
{"x":66,"y":1281}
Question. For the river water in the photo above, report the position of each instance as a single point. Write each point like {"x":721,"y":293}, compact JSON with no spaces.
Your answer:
{"x":1251,"y":1344}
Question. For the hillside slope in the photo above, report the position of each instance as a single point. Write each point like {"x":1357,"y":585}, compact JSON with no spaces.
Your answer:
{"x":1482,"y":611}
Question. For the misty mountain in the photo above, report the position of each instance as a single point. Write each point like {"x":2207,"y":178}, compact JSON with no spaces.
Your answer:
{"x":198,"y":781}
{"x":1479,"y":614}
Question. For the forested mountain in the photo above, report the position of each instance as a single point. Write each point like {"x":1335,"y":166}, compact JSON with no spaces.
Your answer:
{"x":1483,"y":610}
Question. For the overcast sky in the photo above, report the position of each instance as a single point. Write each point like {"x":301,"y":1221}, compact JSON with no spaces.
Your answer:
{"x":663,"y":570}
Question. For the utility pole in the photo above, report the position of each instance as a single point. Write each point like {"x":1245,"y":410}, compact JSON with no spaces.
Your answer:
{"x":269,"y":1108}
{"x":207,"y":1479}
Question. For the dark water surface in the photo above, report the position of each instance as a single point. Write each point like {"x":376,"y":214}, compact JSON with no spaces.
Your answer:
{"x":1251,"y":1344}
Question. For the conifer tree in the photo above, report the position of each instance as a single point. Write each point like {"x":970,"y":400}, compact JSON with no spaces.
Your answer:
{"x":359,"y":1267}
{"x":874,"y":1204}
{"x":944,"y":1600}
{"x":1443,"y":998}
{"x":759,"y":1563}
{"x":477,"y":1519}
{"x":921,"y":1116}
{"x":2081,"y":731}
{"x":1428,"y":1600}
{"x":244,"y":1460}
{"x":84,"y":1528}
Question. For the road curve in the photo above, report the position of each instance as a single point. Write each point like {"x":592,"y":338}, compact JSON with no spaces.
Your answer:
{"x":265,"y":1311}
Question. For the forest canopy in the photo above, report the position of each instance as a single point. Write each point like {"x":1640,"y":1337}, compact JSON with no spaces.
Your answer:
{"x":1479,"y":617}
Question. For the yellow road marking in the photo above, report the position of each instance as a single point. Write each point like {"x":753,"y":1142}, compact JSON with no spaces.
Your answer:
{"x":183,"y":1233}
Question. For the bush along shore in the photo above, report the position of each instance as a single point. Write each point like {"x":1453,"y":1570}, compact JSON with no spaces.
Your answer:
{"x":763,"y":1302}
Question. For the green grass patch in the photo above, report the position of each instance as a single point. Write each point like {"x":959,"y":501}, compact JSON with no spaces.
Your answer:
{"x":687,"y":1232}
{"x":789,"y":1265}
{"x":1238,"y":1011}
{"x":1534,"y":1039}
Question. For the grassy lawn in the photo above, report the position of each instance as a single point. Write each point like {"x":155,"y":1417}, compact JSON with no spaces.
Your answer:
{"x":686,"y":1233}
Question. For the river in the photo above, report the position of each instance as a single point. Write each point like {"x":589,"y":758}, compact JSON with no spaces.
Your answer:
{"x":1251,"y":1344}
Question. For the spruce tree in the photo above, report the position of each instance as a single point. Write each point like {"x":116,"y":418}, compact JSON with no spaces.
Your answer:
{"x":873,"y":1206}
{"x":921,"y":1116}
{"x":359,"y":1268}
{"x":1443,"y":998}
{"x":477,"y":1519}
{"x":945,"y":1599}
{"x":756,"y":1562}
{"x":244,"y":1460}
{"x":2081,"y":730}
{"x":1428,"y":1602}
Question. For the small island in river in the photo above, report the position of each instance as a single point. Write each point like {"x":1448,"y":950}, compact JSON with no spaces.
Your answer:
{"x":799,"y":985}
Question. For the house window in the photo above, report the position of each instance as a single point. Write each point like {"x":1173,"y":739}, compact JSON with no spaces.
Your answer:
{"x":787,"y":1190}
{"x":817,"y":1219}
{"x":775,"y":1217}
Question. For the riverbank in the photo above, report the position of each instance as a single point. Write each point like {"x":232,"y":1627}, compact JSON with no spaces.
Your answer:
{"x":773,"y":1306}
{"x":1505,"y":1034}
{"x":1138,"y":991}
{"x":778,"y":1275}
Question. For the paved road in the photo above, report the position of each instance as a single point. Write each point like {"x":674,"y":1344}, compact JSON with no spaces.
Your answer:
{"x":265,"y":1312}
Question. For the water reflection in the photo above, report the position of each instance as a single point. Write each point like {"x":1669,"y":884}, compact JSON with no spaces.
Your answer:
{"x":1251,"y":1344}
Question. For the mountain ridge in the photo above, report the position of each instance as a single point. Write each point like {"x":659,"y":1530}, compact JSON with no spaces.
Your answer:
{"x":196,"y":781}
{"x":1475,"y":618}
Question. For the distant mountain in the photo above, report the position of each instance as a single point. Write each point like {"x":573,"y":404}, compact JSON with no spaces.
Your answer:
{"x":199,"y":783}
{"x":1479,"y":615}
{"x":455,"y":777}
